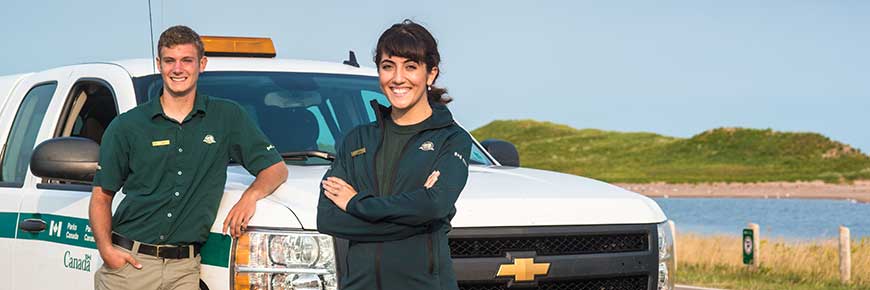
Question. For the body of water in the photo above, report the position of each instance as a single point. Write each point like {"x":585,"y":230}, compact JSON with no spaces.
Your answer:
{"x":795,"y":219}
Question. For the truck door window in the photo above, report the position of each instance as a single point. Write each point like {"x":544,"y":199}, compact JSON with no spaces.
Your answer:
{"x":88,"y":111}
{"x":22,"y":137}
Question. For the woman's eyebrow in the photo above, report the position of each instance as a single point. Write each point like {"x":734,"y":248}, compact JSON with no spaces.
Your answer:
{"x":410,"y":61}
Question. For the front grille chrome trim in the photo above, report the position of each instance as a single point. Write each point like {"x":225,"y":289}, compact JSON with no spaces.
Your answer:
{"x":612,"y":283}
{"x":550,"y":245}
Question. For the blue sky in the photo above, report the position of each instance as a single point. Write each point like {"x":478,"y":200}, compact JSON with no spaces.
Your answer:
{"x":671,"y":67}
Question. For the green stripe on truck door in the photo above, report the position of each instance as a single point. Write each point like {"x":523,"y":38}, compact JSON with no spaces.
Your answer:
{"x":8,"y":224}
{"x":60,"y":229}
{"x":77,"y":232}
{"x":216,"y":251}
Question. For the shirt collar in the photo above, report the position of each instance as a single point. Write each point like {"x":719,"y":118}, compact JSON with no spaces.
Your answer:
{"x":200,"y":103}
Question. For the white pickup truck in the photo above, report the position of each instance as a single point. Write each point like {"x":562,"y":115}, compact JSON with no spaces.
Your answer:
{"x":516,"y":228}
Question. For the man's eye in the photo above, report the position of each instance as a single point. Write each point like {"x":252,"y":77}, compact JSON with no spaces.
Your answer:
{"x":411,"y":67}
{"x":386,"y":67}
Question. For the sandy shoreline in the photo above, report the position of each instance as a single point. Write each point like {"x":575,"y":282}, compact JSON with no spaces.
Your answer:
{"x":858,"y":191}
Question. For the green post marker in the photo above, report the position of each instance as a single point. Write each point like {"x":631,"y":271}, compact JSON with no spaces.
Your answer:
{"x":748,"y":246}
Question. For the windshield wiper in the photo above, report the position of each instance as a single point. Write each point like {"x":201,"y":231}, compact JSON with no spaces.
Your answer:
{"x":310,"y":153}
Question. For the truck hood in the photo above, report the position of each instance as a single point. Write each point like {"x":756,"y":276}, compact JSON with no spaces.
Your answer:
{"x":493,"y":197}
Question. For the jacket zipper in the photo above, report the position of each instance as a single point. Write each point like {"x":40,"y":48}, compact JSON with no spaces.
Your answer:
{"x":380,"y":119}
{"x":378,"y":250}
{"x":377,"y":185}
{"x":346,"y":262}
{"x":430,"y":245}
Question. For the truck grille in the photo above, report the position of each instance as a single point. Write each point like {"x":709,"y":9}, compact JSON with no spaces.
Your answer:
{"x":585,"y":257}
{"x":552,"y":245}
{"x":617,"y":283}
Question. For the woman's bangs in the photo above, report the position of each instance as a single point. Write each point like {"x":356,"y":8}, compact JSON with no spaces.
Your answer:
{"x":403,"y":45}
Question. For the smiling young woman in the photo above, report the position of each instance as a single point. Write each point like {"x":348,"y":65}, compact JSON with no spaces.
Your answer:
{"x":394,"y":204}
{"x":407,"y":58}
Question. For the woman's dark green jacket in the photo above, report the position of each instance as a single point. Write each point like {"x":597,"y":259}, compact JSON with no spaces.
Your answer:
{"x":398,"y":239}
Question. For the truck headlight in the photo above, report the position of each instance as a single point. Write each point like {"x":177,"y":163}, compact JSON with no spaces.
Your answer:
{"x":297,"y":260}
{"x":666,"y":257}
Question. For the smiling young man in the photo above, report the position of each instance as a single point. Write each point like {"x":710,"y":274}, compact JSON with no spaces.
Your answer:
{"x":170,"y":156}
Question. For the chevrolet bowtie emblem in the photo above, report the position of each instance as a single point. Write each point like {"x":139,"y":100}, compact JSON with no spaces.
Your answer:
{"x":523,"y":269}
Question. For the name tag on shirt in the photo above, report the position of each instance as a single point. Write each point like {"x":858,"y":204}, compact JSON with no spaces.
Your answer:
{"x":159,"y":143}
{"x":358,"y":152}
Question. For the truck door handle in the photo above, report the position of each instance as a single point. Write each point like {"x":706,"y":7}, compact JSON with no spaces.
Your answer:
{"x":32,"y":225}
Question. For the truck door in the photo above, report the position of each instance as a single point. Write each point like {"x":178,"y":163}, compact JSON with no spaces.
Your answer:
{"x":65,"y":251}
{"x":20,"y":126}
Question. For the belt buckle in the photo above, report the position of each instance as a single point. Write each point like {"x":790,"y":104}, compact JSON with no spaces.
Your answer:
{"x":157,"y":253}
{"x":175,"y":255}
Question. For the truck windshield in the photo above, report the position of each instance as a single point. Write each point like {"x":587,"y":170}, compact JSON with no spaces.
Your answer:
{"x":303,"y":114}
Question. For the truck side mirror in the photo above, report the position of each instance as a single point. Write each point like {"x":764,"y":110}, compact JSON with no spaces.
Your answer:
{"x":503,"y":151}
{"x":66,"y":158}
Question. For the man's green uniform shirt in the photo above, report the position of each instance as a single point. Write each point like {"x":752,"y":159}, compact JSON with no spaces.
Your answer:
{"x":174,"y":174}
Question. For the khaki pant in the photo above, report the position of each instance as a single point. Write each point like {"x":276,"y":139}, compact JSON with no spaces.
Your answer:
{"x":156,"y":274}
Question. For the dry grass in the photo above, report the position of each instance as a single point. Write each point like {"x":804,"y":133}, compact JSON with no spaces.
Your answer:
{"x":814,"y":262}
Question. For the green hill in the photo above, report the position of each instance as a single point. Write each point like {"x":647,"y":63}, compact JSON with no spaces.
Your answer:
{"x":723,"y":154}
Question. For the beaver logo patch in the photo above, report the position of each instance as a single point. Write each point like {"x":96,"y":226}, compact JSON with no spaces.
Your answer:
{"x":427,"y":146}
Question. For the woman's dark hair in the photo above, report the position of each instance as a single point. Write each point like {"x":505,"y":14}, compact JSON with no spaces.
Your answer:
{"x":412,"y":41}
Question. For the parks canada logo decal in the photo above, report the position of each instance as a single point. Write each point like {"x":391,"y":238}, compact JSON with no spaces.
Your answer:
{"x":77,"y":263}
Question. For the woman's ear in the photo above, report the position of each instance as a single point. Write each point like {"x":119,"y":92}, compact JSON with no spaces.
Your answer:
{"x":433,"y":74}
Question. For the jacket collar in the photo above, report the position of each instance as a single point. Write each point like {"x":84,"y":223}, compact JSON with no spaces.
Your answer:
{"x":441,"y":116}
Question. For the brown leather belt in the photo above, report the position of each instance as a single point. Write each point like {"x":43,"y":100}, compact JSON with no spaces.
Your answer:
{"x":168,"y":252}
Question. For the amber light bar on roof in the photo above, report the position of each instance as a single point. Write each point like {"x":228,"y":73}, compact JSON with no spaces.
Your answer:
{"x":238,"y":46}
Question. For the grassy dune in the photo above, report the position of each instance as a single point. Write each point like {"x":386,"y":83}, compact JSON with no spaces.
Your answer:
{"x":717,"y":262}
{"x":723,"y":154}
